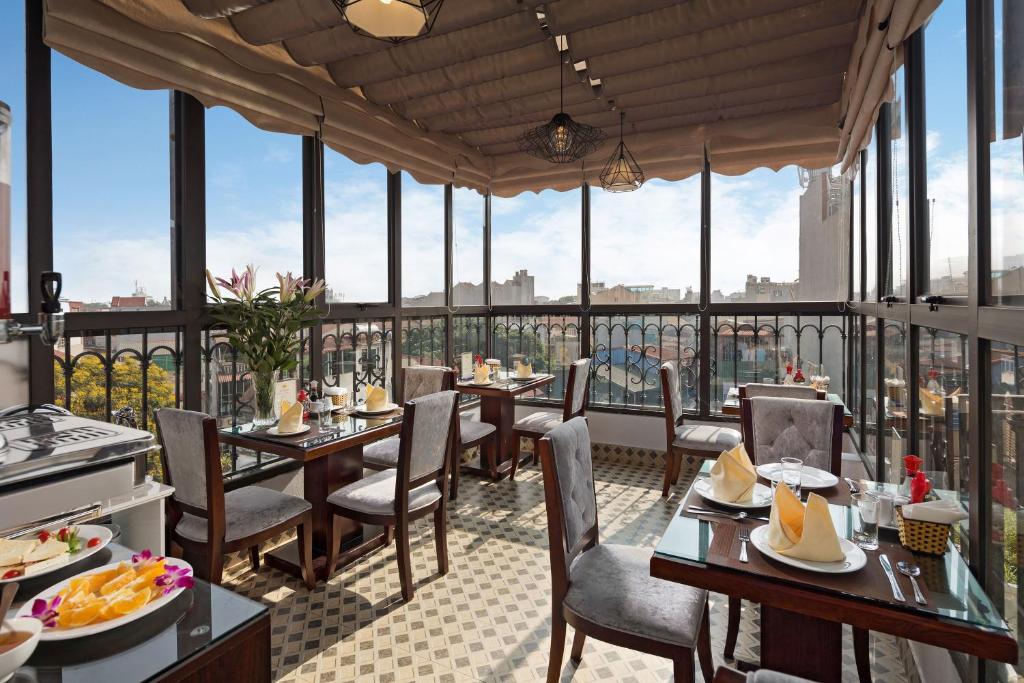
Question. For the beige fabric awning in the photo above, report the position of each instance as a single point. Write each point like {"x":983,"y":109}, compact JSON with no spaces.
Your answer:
{"x":751,"y":82}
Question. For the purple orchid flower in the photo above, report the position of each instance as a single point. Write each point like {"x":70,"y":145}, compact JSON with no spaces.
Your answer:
{"x":174,"y":577}
{"x":145,"y":558}
{"x":46,"y":610}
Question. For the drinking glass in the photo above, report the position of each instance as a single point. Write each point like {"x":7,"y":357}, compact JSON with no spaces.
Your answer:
{"x":324,"y":410}
{"x":792,"y":473}
{"x":865,"y":521}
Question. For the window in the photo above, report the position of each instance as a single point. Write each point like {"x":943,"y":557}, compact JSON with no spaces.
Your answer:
{"x":896,"y":402}
{"x":945,"y":69}
{"x":253,"y":198}
{"x":652,"y":234}
{"x":857,"y":183}
{"x":871,"y":221}
{"x":468,"y":207}
{"x":356,"y":230}
{"x":943,"y":394}
{"x":895,"y":271}
{"x":422,"y":243}
{"x":793,"y":225}
{"x":111,"y":192}
{"x":12,"y":168}
{"x":1007,"y":174}
{"x":870,"y":446}
{"x":536,"y":249}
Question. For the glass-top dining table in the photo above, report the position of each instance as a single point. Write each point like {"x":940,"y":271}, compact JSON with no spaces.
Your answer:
{"x":802,"y":612}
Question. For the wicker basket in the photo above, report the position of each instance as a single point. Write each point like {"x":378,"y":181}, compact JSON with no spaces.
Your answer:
{"x":922,"y":537}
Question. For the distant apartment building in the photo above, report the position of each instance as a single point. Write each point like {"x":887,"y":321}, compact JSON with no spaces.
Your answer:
{"x":631,"y":294}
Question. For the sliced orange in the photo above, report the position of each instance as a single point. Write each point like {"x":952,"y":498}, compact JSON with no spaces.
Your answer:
{"x":144,"y":577}
{"x":129,"y":603}
{"x":97,"y":580}
{"x":118,"y":582}
{"x":73,"y":618}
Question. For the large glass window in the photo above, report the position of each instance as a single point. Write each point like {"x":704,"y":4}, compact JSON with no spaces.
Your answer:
{"x":871,"y":221}
{"x":12,"y":169}
{"x":793,"y":227}
{"x":1007,"y":173}
{"x":871,"y":405}
{"x":422,"y":243}
{"x":111,"y":192}
{"x":356,"y":227}
{"x":945,"y":70}
{"x":253,"y":198}
{"x":468,"y":257}
{"x":855,"y":229}
{"x":657,"y":226}
{"x":895,"y":271}
{"x":894,"y":378}
{"x":536,"y":248}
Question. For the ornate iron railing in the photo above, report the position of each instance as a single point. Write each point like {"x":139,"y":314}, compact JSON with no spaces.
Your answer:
{"x":550,"y":341}
{"x":357,"y":353}
{"x":423,"y":341}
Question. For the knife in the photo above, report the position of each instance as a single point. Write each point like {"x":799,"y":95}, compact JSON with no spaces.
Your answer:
{"x":896,"y":592}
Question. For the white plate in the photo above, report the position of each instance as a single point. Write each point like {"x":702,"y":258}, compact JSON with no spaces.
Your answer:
{"x":480,"y":384}
{"x":762,"y":495}
{"x":388,"y":408}
{"x":85,"y":532}
{"x":855,"y":557}
{"x":810,"y":478}
{"x":91,"y":629}
{"x":534,"y":376}
{"x":273,"y":431}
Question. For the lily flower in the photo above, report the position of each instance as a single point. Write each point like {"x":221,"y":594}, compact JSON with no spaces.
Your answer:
{"x":314,"y":290}
{"x":288,"y":286}
{"x":174,"y":577}
{"x":46,"y":610}
{"x":213,"y":285}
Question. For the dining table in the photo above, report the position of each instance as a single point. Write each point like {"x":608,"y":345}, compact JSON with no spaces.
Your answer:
{"x":802,"y":612}
{"x":331,"y":457}
{"x":731,"y":404}
{"x":498,"y":407}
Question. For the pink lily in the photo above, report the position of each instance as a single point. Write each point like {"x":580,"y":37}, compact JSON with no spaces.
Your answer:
{"x":314,"y":290}
{"x":46,"y":610}
{"x":174,"y":577}
{"x":288,"y":286}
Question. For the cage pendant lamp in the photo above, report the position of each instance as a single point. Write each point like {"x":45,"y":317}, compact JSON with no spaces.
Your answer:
{"x":394,"y":21}
{"x":622,"y":173}
{"x":561,"y":140}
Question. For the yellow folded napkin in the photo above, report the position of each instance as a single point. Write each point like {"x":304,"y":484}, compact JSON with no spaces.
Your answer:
{"x":481,"y":373}
{"x":524,"y":370}
{"x":376,"y":397}
{"x":291,"y":417}
{"x":803,"y":533}
{"x":733,"y":476}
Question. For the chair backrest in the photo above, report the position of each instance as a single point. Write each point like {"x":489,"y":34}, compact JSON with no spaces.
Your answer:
{"x":775,"y":428}
{"x":672,"y":398}
{"x":423,"y":380}
{"x":756,"y":390}
{"x":570,"y":497}
{"x":575,"y":403}
{"x":426,"y":443}
{"x":190,"y":454}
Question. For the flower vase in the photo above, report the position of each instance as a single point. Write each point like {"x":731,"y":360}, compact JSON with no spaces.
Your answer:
{"x":264,"y":384}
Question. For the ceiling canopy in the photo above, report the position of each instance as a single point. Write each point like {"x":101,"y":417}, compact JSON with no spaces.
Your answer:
{"x":751,"y":82}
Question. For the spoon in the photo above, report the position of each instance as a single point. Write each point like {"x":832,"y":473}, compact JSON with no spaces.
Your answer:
{"x":739,"y":516}
{"x":6,"y":598}
{"x":912,"y":570}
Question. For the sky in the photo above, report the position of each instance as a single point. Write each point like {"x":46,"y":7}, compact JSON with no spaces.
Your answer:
{"x":112,"y":201}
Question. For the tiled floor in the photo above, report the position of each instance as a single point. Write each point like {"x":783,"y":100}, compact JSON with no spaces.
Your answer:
{"x":488,"y":619}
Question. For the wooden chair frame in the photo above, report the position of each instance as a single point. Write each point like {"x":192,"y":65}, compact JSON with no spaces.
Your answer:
{"x":216,"y":547}
{"x":567,"y":414}
{"x":562,"y":557}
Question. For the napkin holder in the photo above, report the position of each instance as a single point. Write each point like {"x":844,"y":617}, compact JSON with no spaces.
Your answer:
{"x":930,"y":538}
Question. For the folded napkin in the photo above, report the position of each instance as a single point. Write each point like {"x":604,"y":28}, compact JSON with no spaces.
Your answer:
{"x":291,"y":417}
{"x":524,"y":370}
{"x":802,"y":533}
{"x":481,"y":373}
{"x":937,"y":511}
{"x":733,"y":476}
{"x":376,"y":397}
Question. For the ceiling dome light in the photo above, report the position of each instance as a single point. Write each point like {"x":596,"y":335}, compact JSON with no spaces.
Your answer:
{"x":622,"y":173}
{"x":561,"y":140}
{"x":395,"y":21}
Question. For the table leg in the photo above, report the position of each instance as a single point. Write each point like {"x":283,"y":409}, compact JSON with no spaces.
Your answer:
{"x":800,"y":645}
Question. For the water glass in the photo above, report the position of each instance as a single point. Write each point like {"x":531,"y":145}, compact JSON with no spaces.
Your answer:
{"x":792,"y":473}
{"x":324,"y":410}
{"x":865,"y":521}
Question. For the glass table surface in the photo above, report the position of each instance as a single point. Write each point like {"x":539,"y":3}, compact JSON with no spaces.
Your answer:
{"x":341,"y":427}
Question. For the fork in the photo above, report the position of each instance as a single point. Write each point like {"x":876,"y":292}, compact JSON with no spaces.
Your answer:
{"x":744,"y":537}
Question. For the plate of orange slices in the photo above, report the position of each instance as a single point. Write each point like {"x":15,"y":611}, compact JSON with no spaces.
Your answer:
{"x":108,"y":597}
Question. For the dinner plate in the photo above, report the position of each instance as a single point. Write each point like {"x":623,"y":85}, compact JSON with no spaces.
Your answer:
{"x":388,"y":408}
{"x":85,"y":532}
{"x":92,"y":629}
{"x":854,"y":561}
{"x":273,"y":431}
{"x":481,"y":384}
{"x":810,"y":478}
{"x":536,"y":375}
{"x":762,"y":496}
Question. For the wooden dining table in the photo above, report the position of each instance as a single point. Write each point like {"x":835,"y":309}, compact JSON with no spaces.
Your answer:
{"x":802,"y":612}
{"x":498,"y":407}
{"x":731,"y":405}
{"x":331,"y":458}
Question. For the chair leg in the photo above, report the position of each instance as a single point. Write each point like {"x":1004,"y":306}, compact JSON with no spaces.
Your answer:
{"x":707,"y":665}
{"x":516,"y":442}
{"x":254,"y":558}
{"x":733,"y":629}
{"x":404,"y":564}
{"x":535,"y":458}
{"x":335,"y":544}
{"x":578,"y":641}
{"x":677,"y":469}
{"x":682,"y":668}
{"x":670,"y":457}
{"x":389,"y":535}
{"x":862,"y":654}
{"x":453,"y":489}
{"x":305,"y":536}
{"x":490,"y":452}
{"x":557,"y":644}
{"x":441,"y":538}
{"x":215,"y":564}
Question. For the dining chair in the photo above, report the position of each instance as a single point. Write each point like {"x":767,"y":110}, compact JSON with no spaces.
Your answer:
{"x":415,"y":488}
{"x":701,"y":441}
{"x":757,"y":389}
{"x":474,"y":434}
{"x":417,"y":381}
{"x":535,"y":425}
{"x":203,"y":520}
{"x":606,"y":590}
{"x":726,"y":675}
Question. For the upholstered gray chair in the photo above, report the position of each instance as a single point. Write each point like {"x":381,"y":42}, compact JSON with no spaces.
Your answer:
{"x":757,"y":390}
{"x":417,"y":487}
{"x":417,"y":381}
{"x":701,"y":441}
{"x":727,"y":675}
{"x":205,"y":521}
{"x":536,"y":425}
{"x":474,"y":434}
{"x":604,"y":590}
{"x":775,"y":428}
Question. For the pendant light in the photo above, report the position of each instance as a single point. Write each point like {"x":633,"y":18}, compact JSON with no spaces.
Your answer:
{"x":561,"y":140}
{"x":622,"y":173}
{"x":395,"y":21}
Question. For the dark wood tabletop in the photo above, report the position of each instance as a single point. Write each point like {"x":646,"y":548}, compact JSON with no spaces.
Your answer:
{"x":347,"y":431}
{"x":505,"y":388}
